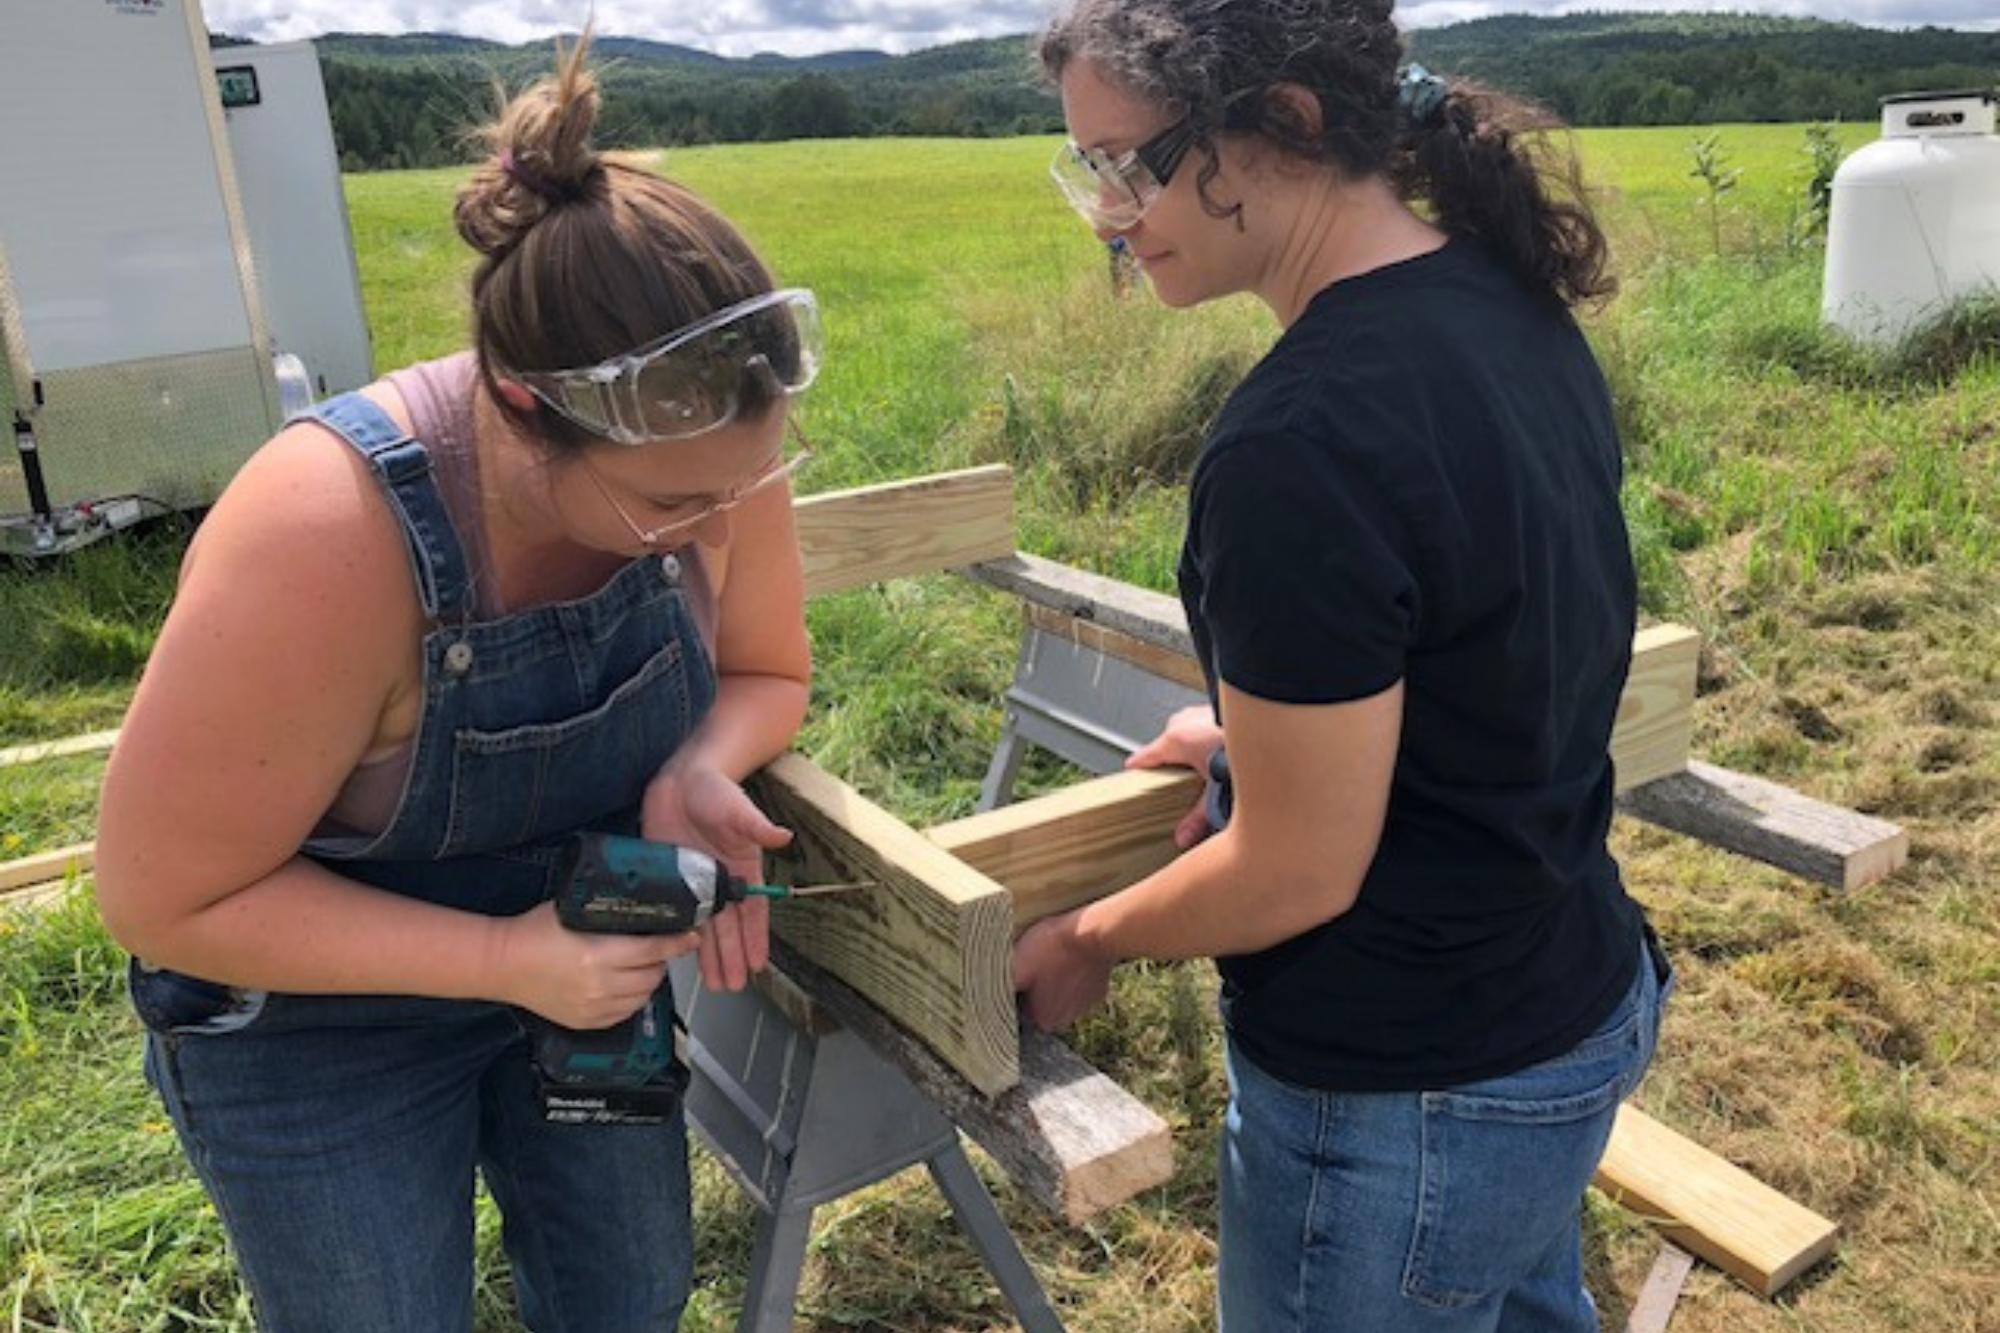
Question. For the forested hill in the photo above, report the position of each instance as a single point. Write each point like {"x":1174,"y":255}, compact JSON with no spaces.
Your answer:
{"x":405,"y":101}
{"x":1681,"y":69}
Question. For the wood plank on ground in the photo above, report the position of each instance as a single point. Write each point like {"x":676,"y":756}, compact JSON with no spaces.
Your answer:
{"x":1065,"y":1134}
{"x":930,"y":940}
{"x":43,"y":869}
{"x":39,"y":750}
{"x":918,"y":526}
{"x":1710,"y":1206}
{"x":1772,"y":824}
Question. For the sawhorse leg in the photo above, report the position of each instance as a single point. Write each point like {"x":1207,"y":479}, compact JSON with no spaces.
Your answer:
{"x":1087,"y":707}
{"x":799,"y":1118}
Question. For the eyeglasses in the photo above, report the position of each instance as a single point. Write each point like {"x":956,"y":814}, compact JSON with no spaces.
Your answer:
{"x":697,"y":379}
{"x":1113,"y":193}
{"x":697,"y":514}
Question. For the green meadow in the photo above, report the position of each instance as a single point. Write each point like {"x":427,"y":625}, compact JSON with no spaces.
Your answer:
{"x":1828,"y":518}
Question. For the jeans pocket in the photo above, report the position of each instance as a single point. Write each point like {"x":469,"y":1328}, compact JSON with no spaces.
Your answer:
{"x":1505,"y":1163}
{"x":174,"y":1004}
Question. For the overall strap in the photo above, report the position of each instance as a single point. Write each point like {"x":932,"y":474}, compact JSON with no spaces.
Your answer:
{"x":403,"y":463}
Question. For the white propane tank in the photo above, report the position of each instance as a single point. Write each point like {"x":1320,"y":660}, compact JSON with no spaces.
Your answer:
{"x":1915,"y":221}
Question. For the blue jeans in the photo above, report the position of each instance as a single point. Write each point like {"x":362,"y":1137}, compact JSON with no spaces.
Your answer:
{"x":1453,"y":1211}
{"x":347,"y":1187}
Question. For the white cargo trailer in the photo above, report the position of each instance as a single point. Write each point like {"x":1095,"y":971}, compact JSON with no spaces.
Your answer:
{"x":288,"y":175}
{"x":138,"y":366}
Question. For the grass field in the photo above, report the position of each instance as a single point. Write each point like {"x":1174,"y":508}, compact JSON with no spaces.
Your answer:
{"x":1830,"y":521}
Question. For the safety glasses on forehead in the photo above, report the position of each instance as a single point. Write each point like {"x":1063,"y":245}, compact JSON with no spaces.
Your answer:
{"x":1113,"y":193}
{"x":697,"y":379}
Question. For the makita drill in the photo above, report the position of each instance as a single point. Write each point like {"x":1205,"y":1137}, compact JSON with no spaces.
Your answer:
{"x":630,"y":1073}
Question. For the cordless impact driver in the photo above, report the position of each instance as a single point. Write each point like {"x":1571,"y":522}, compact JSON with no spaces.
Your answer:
{"x":631,"y":1073}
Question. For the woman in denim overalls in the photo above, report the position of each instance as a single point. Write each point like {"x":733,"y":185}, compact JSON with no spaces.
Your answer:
{"x":545,"y":585}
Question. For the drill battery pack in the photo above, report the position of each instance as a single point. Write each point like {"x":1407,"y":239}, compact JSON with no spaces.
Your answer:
{"x":634,"y":1073}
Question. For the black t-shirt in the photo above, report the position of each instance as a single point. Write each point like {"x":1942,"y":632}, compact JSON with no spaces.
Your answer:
{"x":1420,"y":483}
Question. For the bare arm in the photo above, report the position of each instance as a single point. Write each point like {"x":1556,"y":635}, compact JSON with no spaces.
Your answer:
{"x":764,"y":669}
{"x":291,"y":641}
{"x":1311,"y":793}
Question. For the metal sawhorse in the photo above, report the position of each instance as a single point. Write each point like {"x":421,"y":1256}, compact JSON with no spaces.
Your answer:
{"x":800,"y":1111}
{"x":1086,"y":706}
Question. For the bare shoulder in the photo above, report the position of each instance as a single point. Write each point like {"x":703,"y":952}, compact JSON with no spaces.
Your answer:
{"x":291,"y":639}
{"x":298,"y":588}
{"x":302,"y":525}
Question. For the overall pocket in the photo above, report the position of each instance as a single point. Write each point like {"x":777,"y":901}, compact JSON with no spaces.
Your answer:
{"x":516,"y":785}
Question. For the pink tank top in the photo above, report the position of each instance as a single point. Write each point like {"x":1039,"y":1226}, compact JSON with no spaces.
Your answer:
{"x":439,"y":395}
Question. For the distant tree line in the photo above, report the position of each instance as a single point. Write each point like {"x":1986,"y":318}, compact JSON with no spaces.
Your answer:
{"x":406,"y":101}
{"x":393,"y":107}
{"x":1652,"y":69}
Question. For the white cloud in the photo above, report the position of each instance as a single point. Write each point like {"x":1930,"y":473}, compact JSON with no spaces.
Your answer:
{"x":806,"y":27}
{"x":726,"y":27}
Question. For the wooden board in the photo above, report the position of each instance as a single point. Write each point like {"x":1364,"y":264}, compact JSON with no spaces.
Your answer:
{"x":919,"y":526}
{"x":1710,"y":1206}
{"x":1151,"y":617}
{"x":1772,"y":824}
{"x":1655,"y":722}
{"x":1655,"y":714}
{"x":929,"y":943}
{"x":1072,"y":846}
{"x":1165,"y":663}
{"x":29,"y":754}
{"x":46,"y":868}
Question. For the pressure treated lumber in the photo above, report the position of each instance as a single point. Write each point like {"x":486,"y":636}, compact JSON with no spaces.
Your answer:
{"x":44,"y":869}
{"x":1075,"y":845}
{"x":1772,"y":824}
{"x":919,"y":526}
{"x":1655,"y":714}
{"x":1165,"y":663}
{"x":1655,"y":723}
{"x":39,"y":750}
{"x":1065,"y":1134}
{"x":1148,"y":616}
{"x":929,"y":942}
{"x":1710,"y":1206}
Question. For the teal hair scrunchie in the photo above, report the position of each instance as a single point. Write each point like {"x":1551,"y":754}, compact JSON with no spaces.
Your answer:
{"x":1421,"y":94}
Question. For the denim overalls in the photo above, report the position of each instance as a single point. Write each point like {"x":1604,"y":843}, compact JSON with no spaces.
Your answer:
{"x":338,"y":1134}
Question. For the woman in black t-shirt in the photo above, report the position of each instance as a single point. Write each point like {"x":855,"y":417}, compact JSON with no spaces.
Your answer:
{"x":1409,"y":583}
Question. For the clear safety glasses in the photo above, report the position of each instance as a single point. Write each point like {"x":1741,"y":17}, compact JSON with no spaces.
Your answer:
{"x":1113,"y":193}
{"x":697,"y":379}
{"x":685,"y":518}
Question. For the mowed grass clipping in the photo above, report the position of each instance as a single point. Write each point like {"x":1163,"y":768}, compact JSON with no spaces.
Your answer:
{"x":1824,"y":516}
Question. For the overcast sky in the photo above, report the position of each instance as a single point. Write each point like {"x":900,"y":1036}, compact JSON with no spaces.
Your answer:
{"x":806,"y":27}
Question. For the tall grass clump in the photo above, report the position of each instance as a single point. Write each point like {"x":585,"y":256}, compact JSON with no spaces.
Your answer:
{"x":101,"y":1225}
{"x":1754,"y":429}
{"x":79,"y":628}
{"x":1112,"y":393}
{"x":1099,"y":399}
